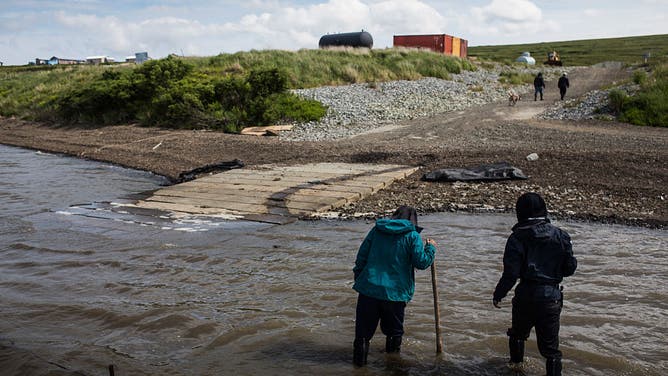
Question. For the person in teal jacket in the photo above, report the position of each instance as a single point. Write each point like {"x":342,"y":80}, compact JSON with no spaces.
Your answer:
{"x":385,"y":279}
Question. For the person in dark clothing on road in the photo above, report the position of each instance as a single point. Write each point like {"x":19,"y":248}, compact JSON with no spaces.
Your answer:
{"x":563,"y":85}
{"x":538,"y":85}
{"x":385,"y":279}
{"x":540,"y":255}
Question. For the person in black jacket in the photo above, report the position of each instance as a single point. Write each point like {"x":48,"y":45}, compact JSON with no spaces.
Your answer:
{"x":563,"y":85}
{"x":540,"y":255}
{"x":538,"y":85}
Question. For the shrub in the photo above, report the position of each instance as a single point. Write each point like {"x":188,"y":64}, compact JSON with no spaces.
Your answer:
{"x":288,"y":107}
{"x":232,"y":92}
{"x":264,"y":83}
{"x":650,"y":105}
{"x":168,"y":93}
{"x":639,"y":77}
{"x":647,"y":108}
{"x":616,"y":99}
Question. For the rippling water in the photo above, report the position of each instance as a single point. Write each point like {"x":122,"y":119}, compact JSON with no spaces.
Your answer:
{"x":83,"y":288}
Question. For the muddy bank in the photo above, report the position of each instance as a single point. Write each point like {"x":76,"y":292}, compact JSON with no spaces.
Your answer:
{"x":588,"y":170}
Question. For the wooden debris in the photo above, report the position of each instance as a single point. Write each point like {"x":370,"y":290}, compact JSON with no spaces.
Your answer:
{"x":269,"y":130}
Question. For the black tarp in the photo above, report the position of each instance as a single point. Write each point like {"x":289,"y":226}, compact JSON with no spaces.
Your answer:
{"x":495,"y":171}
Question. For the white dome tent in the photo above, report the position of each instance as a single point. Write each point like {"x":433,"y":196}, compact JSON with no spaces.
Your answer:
{"x":526,"y":58}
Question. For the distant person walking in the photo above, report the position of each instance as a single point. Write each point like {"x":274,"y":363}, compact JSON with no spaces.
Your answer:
{"x":540,"y":255}
{"x":538,"y":85}
{"x":563,"y":85}
{"x":385,"y":279}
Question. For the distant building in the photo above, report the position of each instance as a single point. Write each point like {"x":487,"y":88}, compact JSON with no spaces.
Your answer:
{"x":58,"y":60}
{"x":141,"y":57}
{"x":443,"y":43}
{"x":98,"y":60}
{"x":138,"y":58}
{"x":54,"y":60}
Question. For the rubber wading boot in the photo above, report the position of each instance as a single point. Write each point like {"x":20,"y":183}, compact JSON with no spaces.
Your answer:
{"x":392,"y":344}
{"x":553,"y":366}
{"x":516,"y":346}
{"x":360,"y":351}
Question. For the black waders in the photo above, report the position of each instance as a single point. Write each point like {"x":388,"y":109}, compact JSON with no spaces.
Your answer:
{"x":392,"y":344}
{"x":516,"y":346}
{"x":553,"y":366}
{"x":360,"y":351}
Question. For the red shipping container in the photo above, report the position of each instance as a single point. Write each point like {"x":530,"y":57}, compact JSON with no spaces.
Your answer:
{"x":464,"y":46}
{"x":442,"y":43}
{"x":434,"y":42}
{"x":448,"y":45}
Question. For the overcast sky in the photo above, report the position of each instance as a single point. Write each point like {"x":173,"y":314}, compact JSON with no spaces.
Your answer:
{"x":119,"y":28}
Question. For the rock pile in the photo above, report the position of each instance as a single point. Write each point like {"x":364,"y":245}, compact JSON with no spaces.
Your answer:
{"x":593,"y":105}
{"x":357,"y":108}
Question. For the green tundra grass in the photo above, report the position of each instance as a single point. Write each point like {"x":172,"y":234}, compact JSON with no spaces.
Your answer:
{"x":629,"y":50}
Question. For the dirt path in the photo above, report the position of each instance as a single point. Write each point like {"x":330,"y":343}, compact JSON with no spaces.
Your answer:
{"x":595,"y":170}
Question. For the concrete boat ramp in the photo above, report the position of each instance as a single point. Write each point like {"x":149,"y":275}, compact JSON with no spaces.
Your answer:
{"x":275,"y":194}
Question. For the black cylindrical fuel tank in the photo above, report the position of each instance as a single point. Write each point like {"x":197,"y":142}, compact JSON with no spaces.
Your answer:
{"x":359,"y":39}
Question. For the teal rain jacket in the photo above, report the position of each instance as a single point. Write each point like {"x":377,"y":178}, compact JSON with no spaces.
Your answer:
{"x":384,"y":268}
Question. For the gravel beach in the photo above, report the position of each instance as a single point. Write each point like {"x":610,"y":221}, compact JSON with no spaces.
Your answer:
{"x":588,"y":168}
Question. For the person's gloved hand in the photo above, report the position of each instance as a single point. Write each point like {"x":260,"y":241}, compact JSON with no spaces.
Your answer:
{"x":496,"y":303}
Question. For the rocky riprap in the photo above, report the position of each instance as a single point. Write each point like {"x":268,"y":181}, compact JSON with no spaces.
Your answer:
{"x":357,"y":108}
{"x":593,"y":105}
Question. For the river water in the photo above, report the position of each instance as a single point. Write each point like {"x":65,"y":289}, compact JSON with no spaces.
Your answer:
{"x":85,"y":284}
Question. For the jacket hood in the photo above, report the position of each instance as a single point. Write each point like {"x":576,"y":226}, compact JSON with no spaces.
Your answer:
{"x":536,"y":226}
{"x":535,"y":229}
{"x":409,"y":213}
{"x":530,"y":206}
{"x":395,"y":226}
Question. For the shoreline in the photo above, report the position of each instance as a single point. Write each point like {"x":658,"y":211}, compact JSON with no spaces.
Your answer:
{"x":360,"y":209}
{"x":588,"y":170}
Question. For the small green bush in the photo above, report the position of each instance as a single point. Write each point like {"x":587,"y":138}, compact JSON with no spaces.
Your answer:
{"x":639,"y":77}
{"x":616,"y":99}
{"x":286,"y":108}
{"x":650,"y":105}
{"x":264,"y":83}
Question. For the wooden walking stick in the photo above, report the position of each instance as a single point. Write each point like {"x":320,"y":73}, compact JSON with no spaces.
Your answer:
{"x":437,"y":310}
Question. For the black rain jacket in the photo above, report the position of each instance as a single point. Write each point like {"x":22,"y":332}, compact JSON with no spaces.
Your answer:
{"x":540,"y":255}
